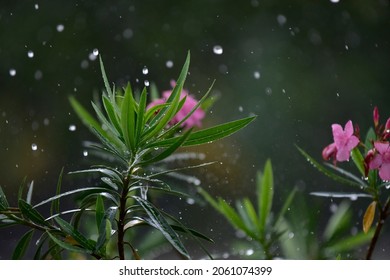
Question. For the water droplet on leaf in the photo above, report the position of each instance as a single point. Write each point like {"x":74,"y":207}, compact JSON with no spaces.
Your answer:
{"x":145,"y":70}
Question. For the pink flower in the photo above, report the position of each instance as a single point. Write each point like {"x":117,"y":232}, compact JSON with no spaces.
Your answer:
{"x":381,"y":160}
{"x":344,"y":142}
{"x":194,"y":120}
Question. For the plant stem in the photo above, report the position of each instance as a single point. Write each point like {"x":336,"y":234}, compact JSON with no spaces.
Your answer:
{"x":382,"y":217}
{"x":121,"y":220}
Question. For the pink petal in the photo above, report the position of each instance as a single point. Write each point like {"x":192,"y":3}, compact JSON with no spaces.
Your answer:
{"x":337,"y":131}
{"x":381,"y":147}
{"x":329,"y":151}
{"x":343,"y":154}
{"x":384,"y":172}
{"x":353,"y":141}
{"x":375,"y":162}
{"x":348,"y":130}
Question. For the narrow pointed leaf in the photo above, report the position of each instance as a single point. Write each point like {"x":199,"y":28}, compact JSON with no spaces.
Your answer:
{"x":30,"y":192}
{"x":140,"y":116}
{"x":99,"y":210}
{"x":162,"y":225}
{"x":85,"y":116}
{"x":251,"y":212}
{"x":66,"y":245}
{"x":55,"y":205}
{"x":22,"y":245}
{"x":208,"y":135}
{"x":110,"y":110}
{"x":286,"y":206}
{"x":265,"y":192}
{"x":338,"y":221}
{"x":106,"y":83}
{"x":3,"y":200}
{"x":369,"y":216}
{"x":30,"y":213}
{"x":358,"y":159}
{"x":75,"y":234}
{"x":326,"y":171}
{"x":170,"y":150}
{"x":128,"y":118}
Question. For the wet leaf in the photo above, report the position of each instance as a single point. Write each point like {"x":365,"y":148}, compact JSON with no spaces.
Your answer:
{"x":30,"y":213}
{"x":265,"y":192}
{"x":162,"y":225}
{"x":3,"y":200}
{"x":369,"y":216}
{"x":22,"y":245}
{"x":75,"y":234}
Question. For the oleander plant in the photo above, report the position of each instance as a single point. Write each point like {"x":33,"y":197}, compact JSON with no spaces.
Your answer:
{"x":371,"y":158}
{"x":136,"y":137}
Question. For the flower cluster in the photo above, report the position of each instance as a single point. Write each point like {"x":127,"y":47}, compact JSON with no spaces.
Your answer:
{"x":194,"y":120}
{"x":347,"y":139}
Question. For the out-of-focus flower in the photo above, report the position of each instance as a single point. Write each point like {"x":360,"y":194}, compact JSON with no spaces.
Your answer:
{"x":190,"y":102}
{"x":381,"y":160}
{"x":344,"y":142}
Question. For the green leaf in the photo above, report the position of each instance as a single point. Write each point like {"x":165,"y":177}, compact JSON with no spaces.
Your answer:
{"x":30,"y":192}
{"x":86,"y":117}
{"x":104,"y":234}
{"x":162,"y":225}
{"x":265,"y":192}
{"x":140,"y":116}
{"x":99,"y":210}
{"x":3,"y":200}
{"x":128,"y":119}
{"x":30,"y":213}
{"x":94,"y":189}
{"x":55,"y":205}
{"x":22,"y":245}
{"x":162,"y":118}
{"x":358,"y":159}
{"x":285,"y":206}
{"x":110,"y":110}
{"x":106,"y":83}
{"x":75,"y":234}
{"x":208,"y":135}
{"x":170,"y":150}
{"x":337,"y":221}
{"x":67,"y":246}
{"x":351,"y":242}
{"x":325,"y":171}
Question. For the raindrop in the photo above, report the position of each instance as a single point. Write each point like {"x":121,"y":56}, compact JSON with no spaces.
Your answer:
{"x":256,"y":75}
{"x":281,"y":19}
{"x":240,"y":108}
{"x":60,"y":27}
{"x":12,"y":72}
{"x":146,"y":83}
{"x":85,"y":153}
{"x":268,"y":91}
{"x":36,"y":6}
{"x":34,"y":147}
{"x":30,"y":54}
{"x":46,"y":121}
{"x":353,"y":197}
{"x":190,"y":201}
{"x":249,"y":252}
{"x":84,"y":64}
{"x":72,"y":127}
{"x":169,"y":64}
{"x":290,"y":235}
{"x":335,"y":1}
{"x":217,"y":49}
{"x":145,"y":70}
{"x":38,"y":75}
{"x":346,"y":47}
{"x":95,"y":52}
{"x":127,"y":33}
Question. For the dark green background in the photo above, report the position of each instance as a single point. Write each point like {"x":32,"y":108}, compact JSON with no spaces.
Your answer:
{"x":319,"y":63}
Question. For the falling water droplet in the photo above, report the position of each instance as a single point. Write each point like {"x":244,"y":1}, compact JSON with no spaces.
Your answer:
{"x":30,"y":54}
{"x":256,"y":75}
{"x":36,"y":6}
{"x":335,"y":1}
{"x":146,"y":83}
{"x":145,"y":70}
{"x":190,"y":201}
{"x":169,"y":64}
{"x":217,"y":49}
{"x":95,"y":52}
{"x":34,"y":147}
{"x":281,"y":19}
{"x":60,"y":27}
{"x":72,"y":127}
{"x":85,"y":153}
{"x":12,"y":72}
{"x":240,"y":108}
